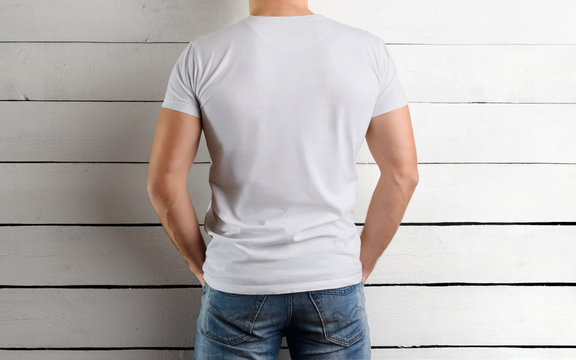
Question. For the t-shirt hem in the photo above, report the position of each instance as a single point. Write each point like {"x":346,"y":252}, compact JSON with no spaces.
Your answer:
{"x":181,"y":106}
{"x":282,"y":289}
{"x":389,"y":107}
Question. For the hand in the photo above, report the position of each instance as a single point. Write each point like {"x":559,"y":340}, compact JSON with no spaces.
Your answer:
{"x":201,"y":279}
{"x":198,"y":273}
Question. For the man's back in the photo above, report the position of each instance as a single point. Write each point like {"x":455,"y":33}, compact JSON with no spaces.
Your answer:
{"x":285,"y":103}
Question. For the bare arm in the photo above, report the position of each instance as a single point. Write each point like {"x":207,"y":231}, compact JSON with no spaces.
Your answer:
{"x":173,"y":152}
{"x":391,"y":142}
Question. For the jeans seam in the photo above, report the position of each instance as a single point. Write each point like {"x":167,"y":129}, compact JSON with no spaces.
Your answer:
{"x":252,"y":319}
{"x":289,"y":310}
{"x":332,"y":338}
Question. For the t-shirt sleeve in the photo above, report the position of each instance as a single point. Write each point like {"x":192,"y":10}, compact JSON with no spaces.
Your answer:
{"x":391,"y":95}
{"x":180,"y":93}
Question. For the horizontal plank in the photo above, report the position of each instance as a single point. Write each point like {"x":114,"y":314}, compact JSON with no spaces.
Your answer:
{"x":86,"y":193}
{"x":466,"y":21}
{"x":132,"y":21}
{"x":439,"y":73}
{"x":416,"y":21}
{"x":398,"y":316}
{"x":84,"y":255}
{"x":377,"y":354}
{"x":79,"y":131}
{"x":117,"y":131}
{"x":67,"y":193}
{"x":64,"y":71}
{"x":487,"y":73}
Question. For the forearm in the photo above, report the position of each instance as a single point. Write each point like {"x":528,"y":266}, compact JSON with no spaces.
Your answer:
{"x":387,"y":206}
{"x":176,"y":212}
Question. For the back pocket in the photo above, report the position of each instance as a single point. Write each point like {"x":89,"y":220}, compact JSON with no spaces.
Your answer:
{"x":342,"y":313}
{"x":230,"y":318}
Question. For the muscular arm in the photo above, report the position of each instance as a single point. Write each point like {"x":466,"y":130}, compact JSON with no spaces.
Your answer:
{"x":391,"y":142}
{"x":173,"y":152}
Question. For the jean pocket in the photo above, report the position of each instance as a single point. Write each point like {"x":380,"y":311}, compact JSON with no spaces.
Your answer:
{"x":342,"y":313}
{"x":230,"y":318}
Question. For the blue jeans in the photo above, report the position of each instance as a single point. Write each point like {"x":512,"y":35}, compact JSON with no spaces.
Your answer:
{"x":321,"y":324}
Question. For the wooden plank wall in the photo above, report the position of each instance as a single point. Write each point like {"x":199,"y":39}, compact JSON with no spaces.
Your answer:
{"x":481,"y":268}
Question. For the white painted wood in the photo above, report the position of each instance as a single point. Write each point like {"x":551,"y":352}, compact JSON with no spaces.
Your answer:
{"x":474,"y":354}
{"x":86,"y":193}
{"x":81,"y":131}
{"x":478,"y":254}
{"x":492,"y":133}
{"x":129,"y":21}
{"x":471,"y":21}
{"x":124,"y":131}
{"x":439,"y":73}
{"x":487,"y":73}
{"x":507,"y":315}
{"x":129,"y":354}
{"x":519,"y":55}
{"x":102,"y":255}
{"x":116,"y":193}
{"x":99,"y":317}
{"x":485,"y":193}
{"x":377,"y":354}
{"x":85,"y":71}
{"x":398,"y":316}
{"x":412,"y":21}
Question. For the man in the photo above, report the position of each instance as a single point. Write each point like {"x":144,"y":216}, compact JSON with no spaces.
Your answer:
{"x":285,"y":98}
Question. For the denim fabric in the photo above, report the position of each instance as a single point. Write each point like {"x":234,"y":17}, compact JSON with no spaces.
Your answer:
{"x":320,"y":324}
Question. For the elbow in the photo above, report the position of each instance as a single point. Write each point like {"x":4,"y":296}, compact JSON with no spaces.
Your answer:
{"x":411,"y":178}
{"x":154,"y":184}
{"x":153,"y":188}
{"x":407,"y":176}
{"x":163,"y":185}
{"x":414,"y":177}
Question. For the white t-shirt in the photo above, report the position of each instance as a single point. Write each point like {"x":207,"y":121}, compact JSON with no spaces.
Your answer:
{"x":285,"y":102}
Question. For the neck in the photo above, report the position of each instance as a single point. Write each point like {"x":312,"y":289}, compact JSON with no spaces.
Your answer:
{"x":279,"y":8}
